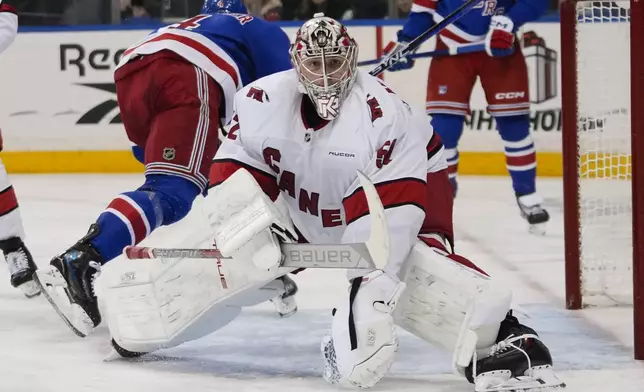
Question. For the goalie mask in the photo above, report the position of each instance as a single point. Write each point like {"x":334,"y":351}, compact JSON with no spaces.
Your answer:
{"x":325,"y":59}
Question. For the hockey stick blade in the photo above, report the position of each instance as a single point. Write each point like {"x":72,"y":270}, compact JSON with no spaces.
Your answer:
{"x":436,"y":53}
{"x":416,"y":42}
{"x":378,"y":242}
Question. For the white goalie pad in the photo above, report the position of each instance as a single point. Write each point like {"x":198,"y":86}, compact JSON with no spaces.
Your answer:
{"x":450,"y":305}
{"x":244,"y":220}
{"x":161,"y":303}
{"x":362,"y":344}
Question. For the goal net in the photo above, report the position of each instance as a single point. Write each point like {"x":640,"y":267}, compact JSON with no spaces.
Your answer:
{"x":604,"y":150}
{"x":598,"y":46}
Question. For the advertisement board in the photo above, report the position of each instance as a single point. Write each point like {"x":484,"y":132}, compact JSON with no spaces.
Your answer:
{"x":58,"y":109}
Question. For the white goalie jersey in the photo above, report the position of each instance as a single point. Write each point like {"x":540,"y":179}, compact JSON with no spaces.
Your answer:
{"x":315,"y":167}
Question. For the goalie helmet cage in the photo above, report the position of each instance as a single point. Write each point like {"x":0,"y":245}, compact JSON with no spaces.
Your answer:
{"x":602,"y":51}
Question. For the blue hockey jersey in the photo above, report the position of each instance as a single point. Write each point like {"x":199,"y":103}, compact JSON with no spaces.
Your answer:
{"x":234,"y":49}
{"x":473,"y":26}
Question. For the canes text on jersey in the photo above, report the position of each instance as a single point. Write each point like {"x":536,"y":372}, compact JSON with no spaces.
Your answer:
{"x":308,"y":201}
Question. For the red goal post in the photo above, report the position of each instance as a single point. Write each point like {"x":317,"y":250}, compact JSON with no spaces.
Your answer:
{"x":602,"y":45}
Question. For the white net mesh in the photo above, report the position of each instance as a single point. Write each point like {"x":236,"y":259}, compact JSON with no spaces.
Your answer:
{"x":603,"y":129}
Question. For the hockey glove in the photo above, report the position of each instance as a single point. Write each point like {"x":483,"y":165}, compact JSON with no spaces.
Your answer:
{"x":404,"y":63}
{"x":499,"y":40}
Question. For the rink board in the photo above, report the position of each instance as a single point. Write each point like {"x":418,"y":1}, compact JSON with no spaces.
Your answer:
{"x":58,"y":110}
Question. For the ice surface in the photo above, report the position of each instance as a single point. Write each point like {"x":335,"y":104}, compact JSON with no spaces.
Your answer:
{"x":260,"y":352}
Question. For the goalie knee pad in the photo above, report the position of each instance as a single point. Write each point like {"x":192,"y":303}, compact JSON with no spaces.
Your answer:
{"x":363,"y":342}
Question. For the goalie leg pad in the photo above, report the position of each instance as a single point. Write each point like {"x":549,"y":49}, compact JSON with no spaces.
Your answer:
{"x":449,"y":304}
{"x":245,"y":221}
{"x":362,"y":345}
{"x":161,"y":303}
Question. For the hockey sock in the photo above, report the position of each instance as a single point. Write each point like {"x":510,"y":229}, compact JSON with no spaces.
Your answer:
{"x":450,"y":128}
{"x":132,"y":216}
{"x":520,"y":155}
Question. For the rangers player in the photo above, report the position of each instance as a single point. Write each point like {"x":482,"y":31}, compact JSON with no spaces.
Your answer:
{"x":174,"y":89}
{"x":19,"y":260}
{"x":503,"y":74}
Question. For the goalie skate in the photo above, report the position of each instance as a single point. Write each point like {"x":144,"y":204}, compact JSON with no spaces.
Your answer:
{"x":537,"y":379}
{"x":519,"y":361}
{"x":54,"y":288}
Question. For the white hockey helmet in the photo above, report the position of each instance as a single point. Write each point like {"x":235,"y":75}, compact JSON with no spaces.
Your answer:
{"x":325,"y":58}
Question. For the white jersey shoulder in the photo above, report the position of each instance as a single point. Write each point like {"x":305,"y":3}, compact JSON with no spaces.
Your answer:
{"x":8,"y":26}
{"x":402,"y":118}
{"x":380,"y":107}
{"x":267,"y":98}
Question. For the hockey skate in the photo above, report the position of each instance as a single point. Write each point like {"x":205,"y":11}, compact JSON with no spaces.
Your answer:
{"x":284,"y":303}
{"x":518,"y":362}
{"x":533,"y":212}
{"x":21,"y":265}
{"x":68,"y":284}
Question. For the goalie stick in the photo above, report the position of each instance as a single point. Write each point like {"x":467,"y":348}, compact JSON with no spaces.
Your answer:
{"x":416,"y":42}
{"x":372,"y":254}
{"x":293,"y":255}
{"x":436,"y":53}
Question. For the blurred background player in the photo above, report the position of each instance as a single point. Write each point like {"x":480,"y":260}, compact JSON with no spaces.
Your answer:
{"x":21,"y":264}
{"x":504,"y":77}
{"x":174,"y":88}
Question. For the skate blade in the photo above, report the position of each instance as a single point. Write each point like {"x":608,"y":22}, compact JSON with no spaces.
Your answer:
{"x":30,"y":289}
{"x":52,"y":286}
{"x":538,"y":379}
